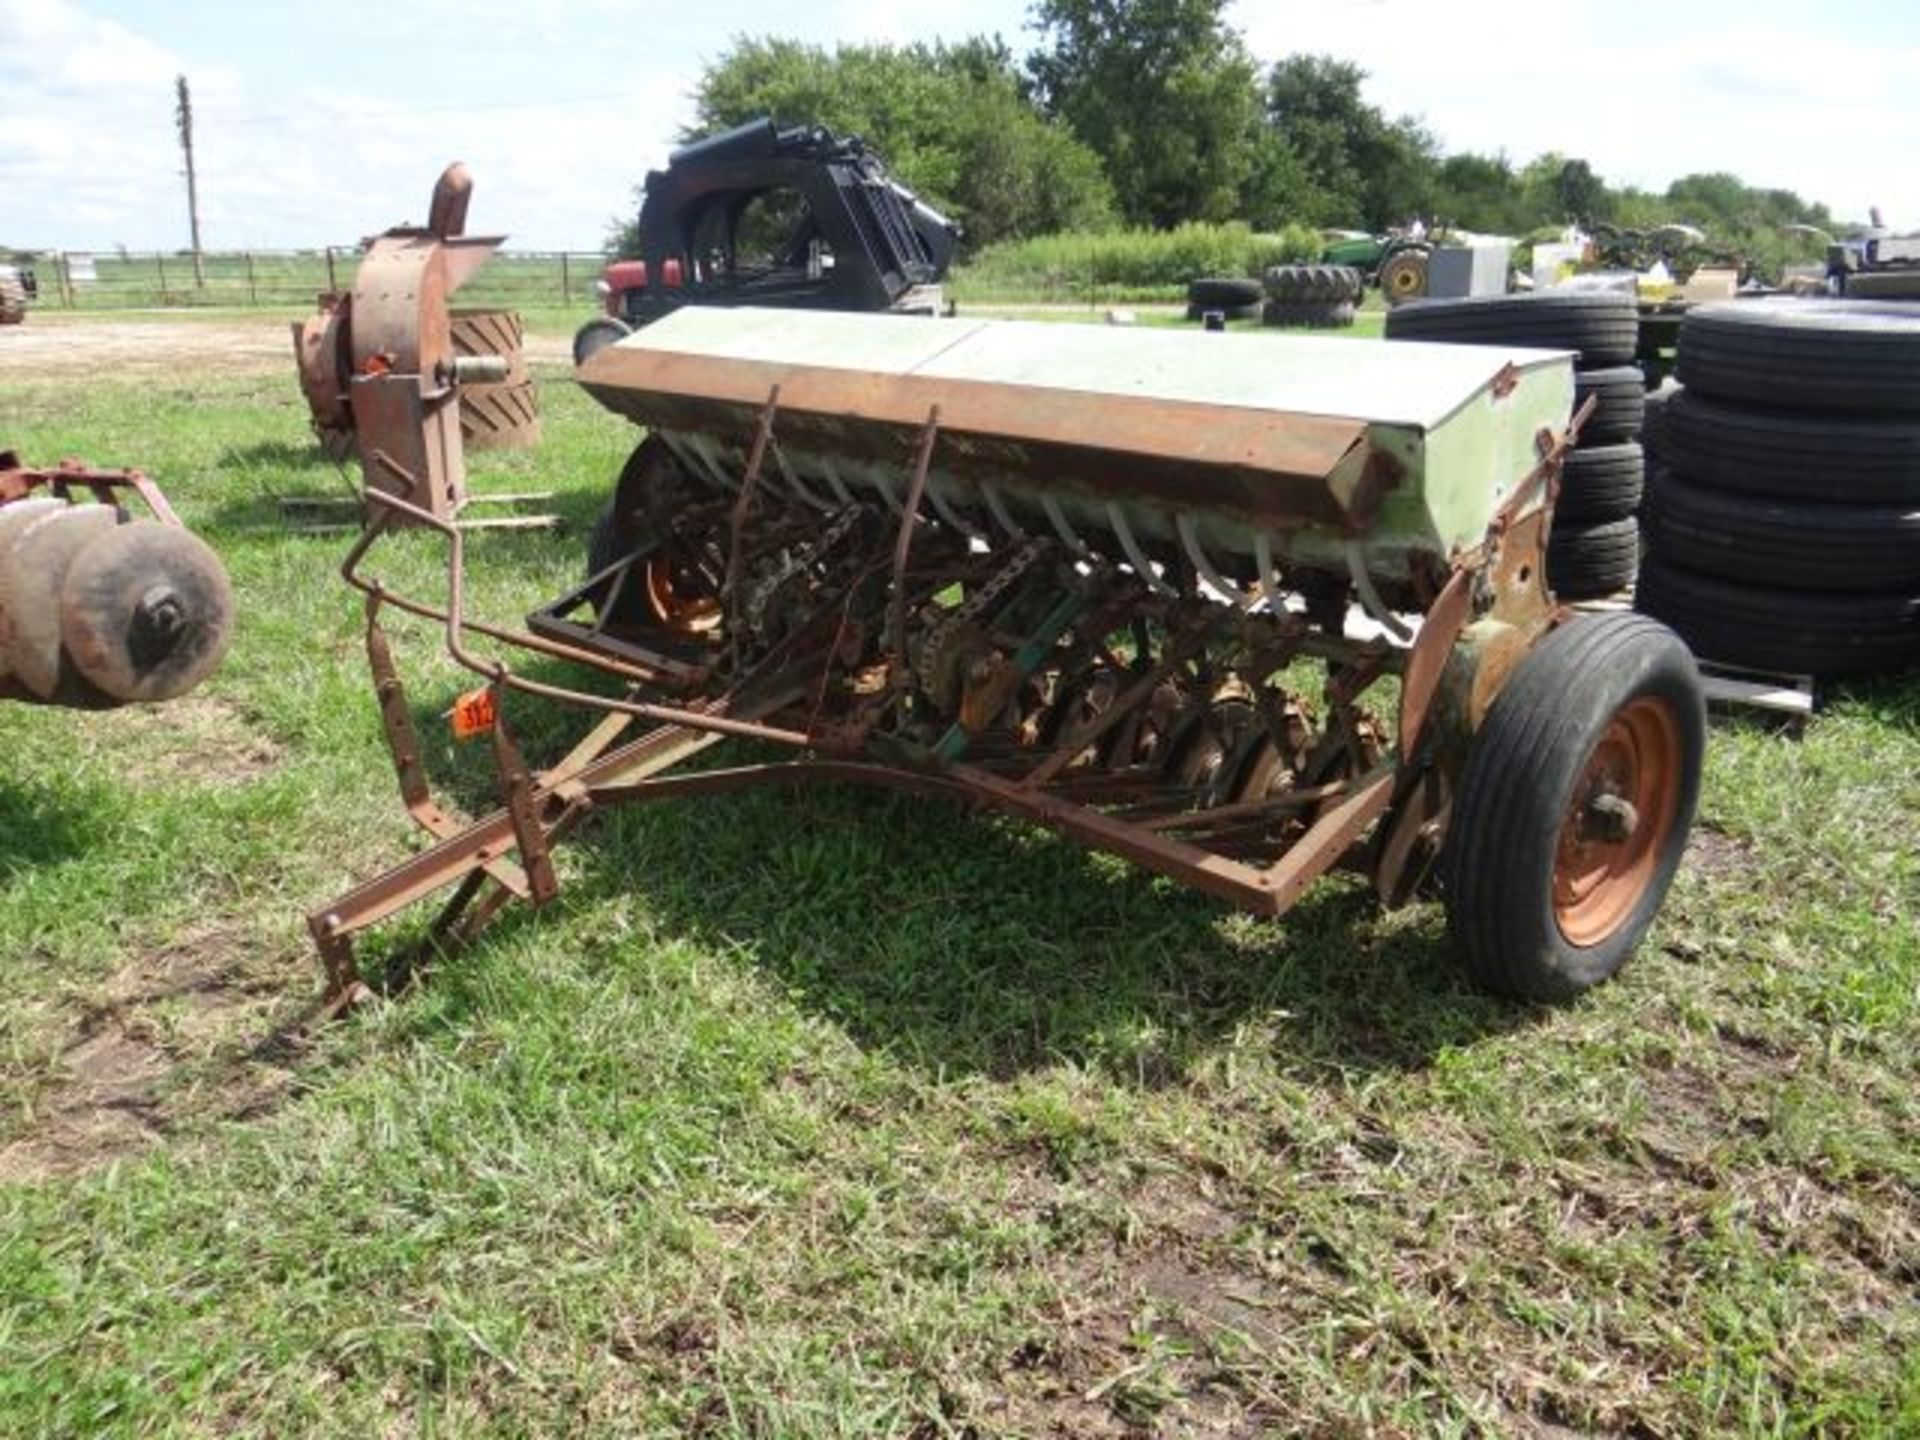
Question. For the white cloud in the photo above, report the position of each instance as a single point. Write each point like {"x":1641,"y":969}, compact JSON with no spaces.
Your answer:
{"x":1645,"y":92}
{"x":301,"y":152}
{"x":91,"y":160}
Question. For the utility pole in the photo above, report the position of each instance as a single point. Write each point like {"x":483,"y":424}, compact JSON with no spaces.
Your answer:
{"x":183,"y":120}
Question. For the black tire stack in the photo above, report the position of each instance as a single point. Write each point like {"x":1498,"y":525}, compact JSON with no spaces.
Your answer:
{"x":1783,"y":509}
{"x":1594,"y":548}
{"x":1229,"y":295}
{"x":1312,"y":297}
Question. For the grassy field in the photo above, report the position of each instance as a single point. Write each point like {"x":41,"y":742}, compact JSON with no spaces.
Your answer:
{"x":840,"y":1115}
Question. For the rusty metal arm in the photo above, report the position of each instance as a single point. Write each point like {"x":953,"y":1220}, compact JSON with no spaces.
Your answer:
{"x":454,"y":622}
{"x":19,"y":481}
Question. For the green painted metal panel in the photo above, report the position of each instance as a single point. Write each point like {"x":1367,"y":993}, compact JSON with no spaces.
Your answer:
{"x":1462,"y":422}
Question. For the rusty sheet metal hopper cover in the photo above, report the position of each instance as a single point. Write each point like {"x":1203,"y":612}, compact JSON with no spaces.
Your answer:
{"x":1309,"y":442}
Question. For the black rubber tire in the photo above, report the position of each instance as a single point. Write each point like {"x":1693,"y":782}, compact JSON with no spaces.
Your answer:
{"x":1518,"y":788}
{"x":1620,"y":411}
{"x":1403,"y":277}
{"x":1784,"y":631}
{"x":1653,"y":429}
{"x":598,"y":333}
{"x":1792,"y":544}
{"x":1884,"y":285}
{"x":1601,"y":482}
{"x":1308,"y":315}
{"x":1314,"y":284}
{"x":1852,"y":355}
{"x":1223,"y":292}
{"x":1589,"y":562}
{"x":605,"y":545}
{"x":1230,"y":312}
{"x":1851,"y":458}
{"x":1603,"y":327}
{"x":650,"y":489}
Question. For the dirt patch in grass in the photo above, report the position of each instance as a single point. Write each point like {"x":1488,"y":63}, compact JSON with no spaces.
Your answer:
{"x":1171,"y":1330}
{"x":125,"y":348}
{"x":179,"y":1038}
{"x":198,"y":737}
{"x":1717,"y":855}
{"x":250,"y":345}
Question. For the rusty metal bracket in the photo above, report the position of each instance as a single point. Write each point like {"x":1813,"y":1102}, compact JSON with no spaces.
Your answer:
{"x":903,"y":542}
{"x":737,"y":517}
{"x":18,"y":481}
{"x":517,"y":795}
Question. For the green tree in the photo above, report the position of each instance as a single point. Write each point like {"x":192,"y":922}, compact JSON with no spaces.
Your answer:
{"x":1481,"y":192}
{"x":951,"y":121}
{"x":1580,"y":193}
{"x":1162,"y":90}
{"x":1360,"y":167}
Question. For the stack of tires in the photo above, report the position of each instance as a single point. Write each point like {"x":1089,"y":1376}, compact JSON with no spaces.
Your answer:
{"x":1594,"y":548}
{"x":1783,"y":509}
{"x":1312,"y":297}
{"x":1228,"y":295}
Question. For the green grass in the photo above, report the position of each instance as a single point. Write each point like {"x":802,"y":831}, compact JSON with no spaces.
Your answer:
{"x":1124,"y":265}
{"x":840,"y":1115}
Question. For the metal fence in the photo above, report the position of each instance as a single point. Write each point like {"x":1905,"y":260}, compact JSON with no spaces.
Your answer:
{"x":283,"y":278}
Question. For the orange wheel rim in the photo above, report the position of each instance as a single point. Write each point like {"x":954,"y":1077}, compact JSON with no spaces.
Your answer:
{"x":1617,"y":824}
{"x":675,"y":607}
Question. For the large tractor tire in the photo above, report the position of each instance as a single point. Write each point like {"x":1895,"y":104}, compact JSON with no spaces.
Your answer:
{"x":1315,"y":284}
{"x":503,"y":416}
{"x":1848,"y":355}
{"x":13,"y":301}
{"x":1574,"y":808}
{"x":1403,"y":277}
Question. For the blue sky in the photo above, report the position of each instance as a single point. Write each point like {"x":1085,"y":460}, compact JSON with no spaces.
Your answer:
{"x":312,"y":133}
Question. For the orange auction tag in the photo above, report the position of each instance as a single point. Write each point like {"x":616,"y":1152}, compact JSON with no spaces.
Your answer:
{"x":473,"y":713}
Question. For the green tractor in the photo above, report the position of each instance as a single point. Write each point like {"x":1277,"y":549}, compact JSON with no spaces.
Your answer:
{"x":1395,"y":262}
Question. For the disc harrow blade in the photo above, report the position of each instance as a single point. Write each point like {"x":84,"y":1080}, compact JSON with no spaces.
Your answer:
{"x":146,"y":612}
{"x":33,"y":568}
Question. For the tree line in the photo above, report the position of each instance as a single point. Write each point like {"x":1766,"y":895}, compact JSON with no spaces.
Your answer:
{"x":1153,"y":113}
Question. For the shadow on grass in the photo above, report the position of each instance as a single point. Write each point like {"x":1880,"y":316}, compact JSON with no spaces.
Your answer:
{"x":976,"y":944}
{"x":284,"y":484}
{"x":968,"y":944}
{"x":973,"y":944}
{"x":303,"y":453}
{"x":43,"y":825}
